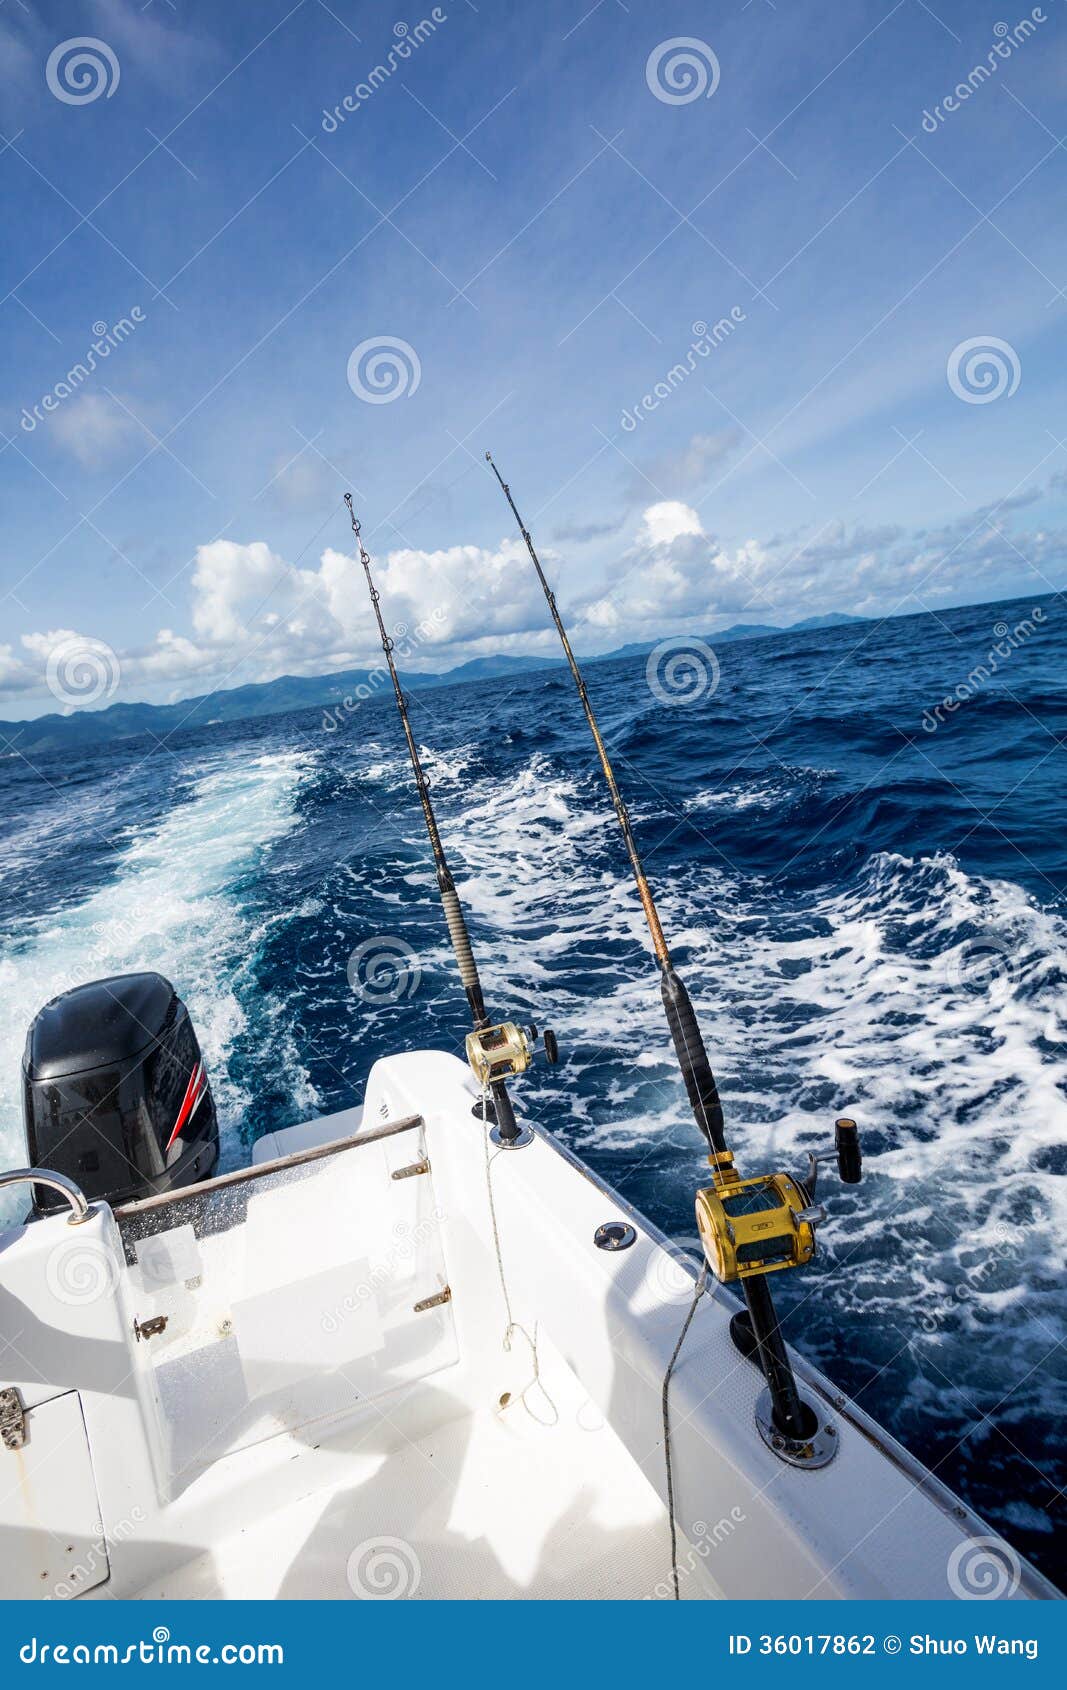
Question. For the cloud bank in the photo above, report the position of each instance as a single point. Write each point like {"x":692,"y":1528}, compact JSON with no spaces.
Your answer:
{"x":253,"y":616}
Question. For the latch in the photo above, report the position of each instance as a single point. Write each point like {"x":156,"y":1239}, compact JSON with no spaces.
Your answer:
{"x":149,"y":1328}
{"x":411,"y":1170}
{"x":434,"y":1302}
{"x":12,"y":1418}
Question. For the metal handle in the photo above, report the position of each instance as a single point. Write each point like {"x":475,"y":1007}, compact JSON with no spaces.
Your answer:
{"x":814,"y":1215}
{"x":58,"y":1182}
{"x":847,"y":1147}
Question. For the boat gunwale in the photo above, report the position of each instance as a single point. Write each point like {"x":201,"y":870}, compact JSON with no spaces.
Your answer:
{"x":254,"y":1170}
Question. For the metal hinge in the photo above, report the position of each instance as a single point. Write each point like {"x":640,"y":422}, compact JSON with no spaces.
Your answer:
{"x":435,"y":1301}
{"x":411,"y":1170}
{"x":149,"y":1328}
{"x":12,"y":1418}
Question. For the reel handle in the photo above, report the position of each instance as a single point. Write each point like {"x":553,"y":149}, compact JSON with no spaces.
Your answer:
{"x":548,"y":1042}
{"x":847,"y":1145}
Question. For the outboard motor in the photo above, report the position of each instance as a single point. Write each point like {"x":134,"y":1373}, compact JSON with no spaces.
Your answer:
{"x":115,"y":1093}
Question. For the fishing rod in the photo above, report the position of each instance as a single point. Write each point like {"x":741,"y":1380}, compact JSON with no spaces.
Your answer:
{"x":494,"y":1051}
{"x":749,"y":1227}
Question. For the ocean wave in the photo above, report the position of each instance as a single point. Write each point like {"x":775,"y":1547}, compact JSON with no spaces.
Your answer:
{"x":923,"y":999}
{"x":841,"y":957}
{"x":174,"y":903}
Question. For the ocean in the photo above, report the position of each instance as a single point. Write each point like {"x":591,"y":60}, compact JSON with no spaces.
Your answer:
{"x":861,"y":886}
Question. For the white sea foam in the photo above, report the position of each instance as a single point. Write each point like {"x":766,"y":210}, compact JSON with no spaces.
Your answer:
{"x":173,"y":904}
{"x":928,"y":995}
{"x":861,"y":997}
{"x":923,"y":999}
{"x":760,"y":795}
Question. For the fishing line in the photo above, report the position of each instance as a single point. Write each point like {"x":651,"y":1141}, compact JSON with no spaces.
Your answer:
{"x":512,"y":1324}
{"x":698,"y":1292}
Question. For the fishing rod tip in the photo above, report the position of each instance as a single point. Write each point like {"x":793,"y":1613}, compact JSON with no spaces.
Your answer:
{"x":489,"y":457}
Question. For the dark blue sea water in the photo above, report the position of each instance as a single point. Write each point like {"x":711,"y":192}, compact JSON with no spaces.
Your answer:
{"x":865,"y":902}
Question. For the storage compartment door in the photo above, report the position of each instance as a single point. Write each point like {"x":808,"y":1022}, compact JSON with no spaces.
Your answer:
{"x":54,"y":1545}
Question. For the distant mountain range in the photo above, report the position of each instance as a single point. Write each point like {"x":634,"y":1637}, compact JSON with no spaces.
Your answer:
{"x":298,"y":692}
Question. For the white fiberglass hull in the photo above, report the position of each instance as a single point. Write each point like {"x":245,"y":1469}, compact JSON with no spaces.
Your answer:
{"x":322,"y":1378}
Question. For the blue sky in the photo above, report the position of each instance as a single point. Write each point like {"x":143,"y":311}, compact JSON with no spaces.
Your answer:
{"x":514,"y":201}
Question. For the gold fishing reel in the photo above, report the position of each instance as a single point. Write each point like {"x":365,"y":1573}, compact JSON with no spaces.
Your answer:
{"x":497,"y":1053}
{"x":767,"y":1223}
{"x":760,"y":1225}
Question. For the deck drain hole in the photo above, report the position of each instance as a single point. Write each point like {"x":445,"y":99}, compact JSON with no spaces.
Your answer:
{"x":614,"y":1235}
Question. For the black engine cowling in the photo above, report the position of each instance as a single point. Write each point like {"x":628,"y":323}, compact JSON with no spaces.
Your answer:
{"x":115,"y":1094}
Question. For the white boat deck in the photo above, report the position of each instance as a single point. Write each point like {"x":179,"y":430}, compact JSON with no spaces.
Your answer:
{"x":296,"y":1381}
{"x":497,"y":1505}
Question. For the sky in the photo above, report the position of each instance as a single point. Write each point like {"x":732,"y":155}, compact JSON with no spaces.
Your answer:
{"x":758,"y":305}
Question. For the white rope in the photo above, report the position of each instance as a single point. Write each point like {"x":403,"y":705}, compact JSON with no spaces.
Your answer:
{"x":513,"y":1325}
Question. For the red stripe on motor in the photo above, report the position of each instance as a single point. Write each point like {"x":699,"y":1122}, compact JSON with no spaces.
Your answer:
{"x":194,"y":1091}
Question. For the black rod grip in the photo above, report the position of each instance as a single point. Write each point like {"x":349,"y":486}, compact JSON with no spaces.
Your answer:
{"x":693,"y":1059}
{"x":505,"y":1115}
{"x":793,"y":1418}
{"x":849,"y":1156}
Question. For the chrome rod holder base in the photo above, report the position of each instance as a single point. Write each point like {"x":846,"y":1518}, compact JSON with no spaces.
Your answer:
{"x":525,"y":1137}
{"x":811,"y":1453}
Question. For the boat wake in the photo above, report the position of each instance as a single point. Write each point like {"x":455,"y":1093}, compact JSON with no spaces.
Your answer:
{"x":177,"y":902}
{"x":837,"y":964}
{"x":925,"y":1000}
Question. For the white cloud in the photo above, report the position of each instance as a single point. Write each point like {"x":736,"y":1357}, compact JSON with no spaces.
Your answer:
{"x":93,"y":428}
{"x":247,"y":595}
{"x":668,"y":521}
{"x":15,"y":676}
{"x":674,"y":571}
{"x":230,"y":582}
{"x":254,"y":616}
